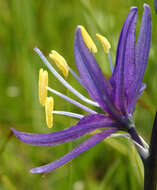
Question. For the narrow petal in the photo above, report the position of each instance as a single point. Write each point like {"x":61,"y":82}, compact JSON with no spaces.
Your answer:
{"x":141,"y":56}
{"x":84,"y":126}
{"x":129,"y":61}
{"x":91,"y":75}
{"x":132,"y":108}
{"x":125,"y":60}
{"x":95,"y":139}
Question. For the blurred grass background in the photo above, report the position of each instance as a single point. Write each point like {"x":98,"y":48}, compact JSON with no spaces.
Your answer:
{"x":24,"y":24}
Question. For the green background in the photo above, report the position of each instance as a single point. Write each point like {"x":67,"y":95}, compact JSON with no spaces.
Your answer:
{"x":50,"y":24}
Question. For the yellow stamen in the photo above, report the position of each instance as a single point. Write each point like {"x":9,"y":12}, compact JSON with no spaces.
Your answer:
{"x":49,"y":104}
{"x":105,"y":43}
{"x":88,"y":40}
{"x":43,"y":83}
{"x":60,"y":62}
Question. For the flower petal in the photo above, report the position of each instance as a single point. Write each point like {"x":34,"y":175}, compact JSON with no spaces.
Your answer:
{"x":87,"y":124}
{"x":141,"y":56}
{"x":125,"y":60}
{"x":92,"y":141}
{"x":91,"y":75}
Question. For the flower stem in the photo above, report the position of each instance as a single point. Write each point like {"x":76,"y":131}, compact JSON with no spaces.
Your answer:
{"x":150,"y":166}
{"x":135,"y":136}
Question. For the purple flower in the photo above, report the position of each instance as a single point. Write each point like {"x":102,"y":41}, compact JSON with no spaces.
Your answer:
{"x":117,"y":97}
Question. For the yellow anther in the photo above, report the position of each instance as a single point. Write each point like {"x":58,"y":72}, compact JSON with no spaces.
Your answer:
{"x":43,"y":83}
{"x":105,"y":43}
{"x":88,"y":40}
{"x":49,"y":104}
{"x":60,"y":62}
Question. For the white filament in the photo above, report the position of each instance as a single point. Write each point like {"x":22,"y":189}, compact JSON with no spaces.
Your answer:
{"x":60,"y":78}
{"x":71,"y":100}
{"x":70,"y":114}
{"x":76,"y":76}
{"x":110,"y":61}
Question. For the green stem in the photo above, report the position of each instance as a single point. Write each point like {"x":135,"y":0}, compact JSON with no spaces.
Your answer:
{"x":150,"y":166}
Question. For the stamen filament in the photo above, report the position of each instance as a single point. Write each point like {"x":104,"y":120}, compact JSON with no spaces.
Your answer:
{"x":110,"y":61}
{"x":60,"y":78}
{"x":76,"y":76}
{"x":70,"y":114}
{"x":71,"y":100}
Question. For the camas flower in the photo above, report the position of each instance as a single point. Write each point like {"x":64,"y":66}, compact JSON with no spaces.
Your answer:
{"x":116,"y":97}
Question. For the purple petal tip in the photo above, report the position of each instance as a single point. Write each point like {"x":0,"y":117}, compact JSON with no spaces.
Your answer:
{"x":78,"y":28}
{"x":36,"y":170}
{"x":32,"y":171}
{"x":35,"y":48}
{"x":146,"y":6}
{"x":14,"y":131}
{"x":133,"y":8}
